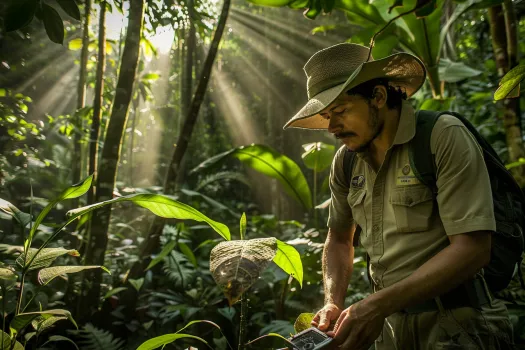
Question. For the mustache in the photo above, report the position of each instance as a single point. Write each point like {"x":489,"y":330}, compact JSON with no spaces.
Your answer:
{"x":342,"y":135}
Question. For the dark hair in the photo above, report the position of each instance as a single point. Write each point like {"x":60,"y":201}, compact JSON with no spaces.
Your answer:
{"x":395,"y":95}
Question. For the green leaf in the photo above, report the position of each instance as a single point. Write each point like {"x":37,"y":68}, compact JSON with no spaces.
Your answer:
{"x":55,"y":338}
{"x":70,"y":7}
{"x":199,"y":321}
{"x":210,"y":201}
{"x":72,"y":192}
{"x":7,"y":278}
{"x":21,"y":217}
{"x":53,"y":24}
{"x":48,"y":274}
{"x":520,"y":162}
{"x":427,"y":9}
{"x":3,"y":92}
{"x":150,"y":76}
{"x":303,"y":322}
{"x":242,"y":225}
{"x":21,"y":321}
{"x":6,"y":345}
{"x":19,"y":14}
{"x":188,"y":253}
{"x":397,"y":3}
{"x":114,"y":291}
{"x":314,"y":10}
{"x":318,"y":155}
{"x":269,"y":162}
{"x":162,"y":206}
{"x":328,"y":5}
{"x":75,"y":44}
{"x":157,"y":342}
{"x":136,"y":283}
{"x":288,"y":259}
{"x":452,"y":72}
{"x":509,"y":85}
{"x":436,"y":105}
{"x":47,"y":323}
{"x":44,"y":258}
{"x":165,"y":251}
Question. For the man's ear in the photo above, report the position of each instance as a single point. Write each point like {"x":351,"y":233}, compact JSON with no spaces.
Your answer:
{"x":379,"y":96}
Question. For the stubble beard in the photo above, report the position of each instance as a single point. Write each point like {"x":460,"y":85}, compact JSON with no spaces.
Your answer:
{"x":375,"y":126}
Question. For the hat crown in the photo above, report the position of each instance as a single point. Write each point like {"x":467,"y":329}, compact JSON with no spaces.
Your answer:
{"x":333,"y":66}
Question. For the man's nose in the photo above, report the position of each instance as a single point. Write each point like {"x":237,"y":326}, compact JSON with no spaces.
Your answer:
{"x":332,"y":128}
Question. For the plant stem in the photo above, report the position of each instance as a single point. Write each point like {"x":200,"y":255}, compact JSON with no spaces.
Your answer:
{"x":242,"y":331}
{"x":20,"y":294}
{"x":315,"y":198}
{"x":244,"y":309}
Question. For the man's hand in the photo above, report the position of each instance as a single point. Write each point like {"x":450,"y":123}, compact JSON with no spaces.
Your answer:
{"x":357,"y":327}
{"x":326,"y":316}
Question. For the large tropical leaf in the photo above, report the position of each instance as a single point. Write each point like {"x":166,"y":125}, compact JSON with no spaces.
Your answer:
{"x":38,"y":259}
{"x":161,"y":206}
{"x":318,"y":155}
{"x":452,"y":72}
{"x":212,"y":202}
{"x":288,"y":259}
{"x":163,"y":340}
{"x":16,"y":213}
{"x":20,"y":321}
{"x":74,"y":191}
{"x":423,"y":33}
{"x":48,"y":274}
{"x":269,"y":162}
{"x":236,"y":265}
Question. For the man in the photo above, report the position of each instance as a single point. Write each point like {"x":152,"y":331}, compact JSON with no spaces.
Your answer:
{"x":426,"y":251}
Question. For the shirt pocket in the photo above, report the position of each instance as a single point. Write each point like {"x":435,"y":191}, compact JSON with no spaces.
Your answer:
{"x":413,"y":207}
{"x":356,"y":200}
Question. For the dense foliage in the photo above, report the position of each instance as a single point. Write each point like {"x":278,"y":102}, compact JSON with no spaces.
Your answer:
{"x":244,"y":195}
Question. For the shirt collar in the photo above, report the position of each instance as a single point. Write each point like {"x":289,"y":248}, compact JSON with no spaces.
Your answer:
{"x":406,"y":129}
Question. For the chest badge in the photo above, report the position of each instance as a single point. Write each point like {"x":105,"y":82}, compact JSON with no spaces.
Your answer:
{"x":358,"y":181}
{"x":406,"y":176}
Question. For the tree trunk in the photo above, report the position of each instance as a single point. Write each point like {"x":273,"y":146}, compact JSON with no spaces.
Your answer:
{"x":97,"y":103}
{"x":503,"y":30}
{"x":96,"y":247}
{"x":151,"y":243}
{"x":187,"y":82}
{"x":81,"y":99}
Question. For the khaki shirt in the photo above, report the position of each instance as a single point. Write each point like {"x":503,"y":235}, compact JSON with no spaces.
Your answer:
{"x":403,"y":225}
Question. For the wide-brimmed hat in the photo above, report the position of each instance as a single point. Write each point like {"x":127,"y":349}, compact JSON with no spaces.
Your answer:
{"x":342,"y":67}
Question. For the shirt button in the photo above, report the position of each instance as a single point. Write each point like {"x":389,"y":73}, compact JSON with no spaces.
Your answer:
{"x":375,"y":227}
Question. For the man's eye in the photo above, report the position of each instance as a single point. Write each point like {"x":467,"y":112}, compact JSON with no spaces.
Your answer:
{"x":324,"y":116}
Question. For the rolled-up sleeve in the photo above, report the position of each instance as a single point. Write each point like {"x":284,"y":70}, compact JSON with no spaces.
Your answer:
{"x":340,"y":213}
{"x":464,"y":193}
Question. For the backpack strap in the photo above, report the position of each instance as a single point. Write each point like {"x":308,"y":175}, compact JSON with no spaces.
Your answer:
{"x":419,"y":152}
{"x":348,"y":165}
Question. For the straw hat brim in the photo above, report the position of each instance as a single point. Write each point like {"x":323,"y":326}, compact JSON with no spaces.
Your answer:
{"x":402,"y":70}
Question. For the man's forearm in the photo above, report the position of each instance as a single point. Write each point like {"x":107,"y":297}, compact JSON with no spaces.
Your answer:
{"x":443,"y":272}
{"x":338,"y":259}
